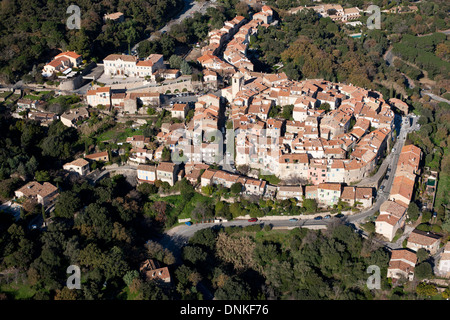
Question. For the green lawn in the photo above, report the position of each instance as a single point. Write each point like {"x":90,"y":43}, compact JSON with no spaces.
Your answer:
{"x":119,"y":134}
{"x":18,"y":291}
{"x":272,"y":179}
{"x":177,"y":201}
{"x":186,"y":213}
{"x":32,"y":97}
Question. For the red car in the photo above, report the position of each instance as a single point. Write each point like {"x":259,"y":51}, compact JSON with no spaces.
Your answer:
{"x":252,"y":220}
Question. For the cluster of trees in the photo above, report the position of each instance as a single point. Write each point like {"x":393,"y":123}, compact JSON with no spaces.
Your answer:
{"x":30,"y":32}
{"x":27,"y":149}
{"x":242,"y":263}
{"x":313,"y":47}
{"x":433,"y":140}
{"x":99,"y":228}
{"x":428,"y":53}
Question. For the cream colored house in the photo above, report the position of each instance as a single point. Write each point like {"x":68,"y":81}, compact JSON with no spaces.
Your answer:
{"x":125,"y":65}
{"x":425,"y":240}
{"x":99,"y":96}
{"x":444,"y":261}
{"x":44,"y":194}
{"x":167,"y":171}
{"x":328,"y":193}
{"x":146,"y":173}
{"x":392,"y":217}
{"x":289,"y":192}
{"x":179,"y":110}
{"x":79,"y":166}
{"x":72,"y":116}
{"x":402,"y":264}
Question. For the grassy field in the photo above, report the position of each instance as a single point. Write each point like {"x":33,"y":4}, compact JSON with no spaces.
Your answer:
{"x":118,"y":133}
{"x":17,"y":291}
{"x":272,"y":179}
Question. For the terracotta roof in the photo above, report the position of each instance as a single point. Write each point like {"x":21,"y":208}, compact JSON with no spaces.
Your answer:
{"x":179,"y":106}
{"x":348,"y":193}
{"x":330,"y":186}
{"x":423,"y":238}
{"x":34,"y":188}
{"x":97,"y":155}
{"x":145,"y":167}
{"x":70,"y":54}
{"x":363,"y":193}
{"x":403,"y":186}
{"x":208,"y":174}
{"x":113,"y":57}
{"x":166,"y":166}
{"x":391,"y":207}
{"x":404,"y":254}
{"x":78,"y":163}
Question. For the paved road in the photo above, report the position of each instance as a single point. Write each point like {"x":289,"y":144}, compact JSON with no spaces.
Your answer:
{"x":434,"y":97}
{"x":190,"y":7}
{"x":180,"y":234}
{"x":409,"y":124}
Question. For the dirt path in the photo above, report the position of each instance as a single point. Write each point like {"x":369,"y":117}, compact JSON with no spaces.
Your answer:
{"x":425,"y":81}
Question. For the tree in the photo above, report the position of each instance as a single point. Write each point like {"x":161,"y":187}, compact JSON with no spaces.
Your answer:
{"x":66,"y":294}
{"x":233,"y":289}
{"x":425,"y":289}
{"x":426,"y":216}
{"x":422,"y":255}
{"x":42,"y":176}
{"x":423,"y":270}
{"x":194,"y":254}
{"x":165,"y":155}
{"x":67,"y":204}
{"x":175,"y":61}
{"x":208,"y":190}
{"x":202,"y":211}
{"x":236,"y":188}
{"x":310,"y":205}
{"x":325,"y":106}
{"x":413,"y":211}
{"x":147,"y":188}
{"x":287,"y":112}
{"x":205,"y":238}
{"x":221,"y":209}
{"x":185,"y":68}
{"x":130,"y":276}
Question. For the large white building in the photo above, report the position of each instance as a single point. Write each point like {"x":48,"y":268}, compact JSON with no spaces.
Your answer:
{"x":124,"y":65}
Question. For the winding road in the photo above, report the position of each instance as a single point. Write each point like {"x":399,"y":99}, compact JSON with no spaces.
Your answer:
{"x":190,"y":7}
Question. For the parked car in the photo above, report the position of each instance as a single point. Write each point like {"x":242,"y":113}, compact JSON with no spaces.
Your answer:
{"x":382,"y":187}
{"x":339,"y":215}
{"x":318,"y":218}
{"x":293,"y":219}
{"x":327,"y":216}
{"x":252,"y":220}
{"x":188,"y":223}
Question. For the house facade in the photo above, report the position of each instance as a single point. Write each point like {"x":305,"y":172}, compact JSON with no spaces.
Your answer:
{"x":79,"y":166}
{"x":402,"y":264}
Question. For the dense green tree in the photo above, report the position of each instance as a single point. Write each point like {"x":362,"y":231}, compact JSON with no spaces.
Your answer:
{"x":67,"y":204}
{"x":423,"y":270}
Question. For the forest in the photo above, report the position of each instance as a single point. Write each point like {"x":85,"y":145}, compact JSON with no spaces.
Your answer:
{"x":32,"y":31}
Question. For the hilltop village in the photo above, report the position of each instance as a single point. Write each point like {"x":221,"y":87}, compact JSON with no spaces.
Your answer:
{"x":191,"y":158}
{"x":317,"y":137}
